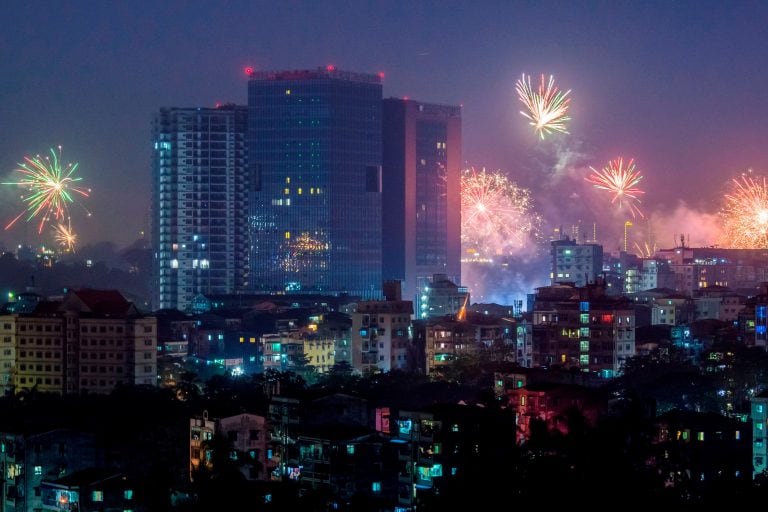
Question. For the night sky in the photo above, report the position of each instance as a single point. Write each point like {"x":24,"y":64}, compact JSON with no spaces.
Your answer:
{"x":679,"y":86}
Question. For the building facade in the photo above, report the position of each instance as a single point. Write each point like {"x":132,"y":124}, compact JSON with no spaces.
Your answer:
{"x":315,"y":168}
{"x":439,"y":296}
{"x":199,"y":203}
{"x":381,"y":336}
{"x":421,"y":191}
{"x":92,"y":340}
{"x":575,"y":263}
{"x":581,"y":327}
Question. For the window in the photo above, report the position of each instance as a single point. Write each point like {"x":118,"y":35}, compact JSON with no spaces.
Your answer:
{"x":97,"y":496}
{"x":350,"y":449}
{"x":376,"y":486}
{"x":38,"y":470}
{"x":128,"y":494}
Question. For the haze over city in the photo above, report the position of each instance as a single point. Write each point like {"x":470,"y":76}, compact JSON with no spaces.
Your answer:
{"x":676,"y":86}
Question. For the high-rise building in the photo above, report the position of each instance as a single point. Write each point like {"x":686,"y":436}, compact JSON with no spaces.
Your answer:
{"x":200,"y":203}
{"x":314,"y":142}
{"x":421,"y":179}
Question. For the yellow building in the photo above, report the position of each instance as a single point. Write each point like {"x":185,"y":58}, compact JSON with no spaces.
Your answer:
{"x":92,"y":340}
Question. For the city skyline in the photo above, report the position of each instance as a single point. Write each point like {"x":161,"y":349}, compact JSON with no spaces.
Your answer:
{"x":673,"y":87}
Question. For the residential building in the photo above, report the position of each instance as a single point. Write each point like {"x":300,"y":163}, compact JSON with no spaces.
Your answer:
{"x":575,"y":263}
{"x":655,"y":273}
{"x":201,"y":432}
{"x":674,"y":309}
{"x":28,"y":460}
{"x":701,"y":267}
{"x":696,"y":450}
{"x":249,"y":438}
{"x":582,"y":327}
{"x":244,"y":436}
{"x":314,"y":141}
{"x":551,"y":404}
{"x":345,"y":462}
{"x":92,"y":340}
{"x":92,"y":490}
{"x":438,"y":296}
{"x":199,"y":203}
{"x":381,"y":336}
{"x":446,"y":340}
{"x":759,"y":416}
{"x":421,"y":183}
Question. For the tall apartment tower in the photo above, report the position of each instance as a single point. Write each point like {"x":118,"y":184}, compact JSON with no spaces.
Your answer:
{"x":421,"y":192}
{"x":315,"y":160}
{"x":200,"y":203}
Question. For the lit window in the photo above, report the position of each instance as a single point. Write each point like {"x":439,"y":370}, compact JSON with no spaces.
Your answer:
{"x":350,"y":449}
{"x":376,"y":486}
{"x":38,"y":470}
{"x":760,"y":408}
{"x":287,"y":235}
{"x":128,"y":494}
{"x":700,"y":437}
{"x":97,"y":496}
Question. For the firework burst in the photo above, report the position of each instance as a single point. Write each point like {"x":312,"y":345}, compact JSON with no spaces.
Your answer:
{"x":497,"y":216}
{"x":49,"y":188}
{"x":545,"y":108}
{"x":622,"y":182}
{"x":65,"y":237}
{"x":744,"y":214}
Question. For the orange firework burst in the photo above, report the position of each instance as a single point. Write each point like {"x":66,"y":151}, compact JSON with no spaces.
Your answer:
{"x":622,"y":182}
{"x":65,"y":236}
{"x":745,"y":214}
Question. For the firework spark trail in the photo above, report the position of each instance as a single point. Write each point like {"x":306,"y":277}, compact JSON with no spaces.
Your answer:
{"x":546,"y":108}
{"x":745,"y":214}
{"x":497,"y":215}
{"x":646,"y":250}
{"x":49,"y":188}
{"x":622,"y":182}
{"x":65,"y":236}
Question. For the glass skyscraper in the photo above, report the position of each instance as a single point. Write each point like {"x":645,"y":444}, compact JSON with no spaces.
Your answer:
{"x":421,"y":192}
{"x":314,"y":141}
{"x":199,"y":203}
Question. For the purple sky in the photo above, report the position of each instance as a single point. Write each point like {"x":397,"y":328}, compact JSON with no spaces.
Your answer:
{"x":679,"y":86}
